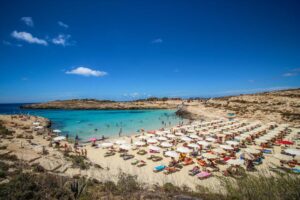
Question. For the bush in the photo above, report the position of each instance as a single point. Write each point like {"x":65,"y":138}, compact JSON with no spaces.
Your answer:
{"x":127,"y":183}
{"x":78,"y":161}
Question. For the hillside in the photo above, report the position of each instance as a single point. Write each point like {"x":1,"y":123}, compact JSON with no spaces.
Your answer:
{"x":92,"y":104}
{"x":279,"y":106}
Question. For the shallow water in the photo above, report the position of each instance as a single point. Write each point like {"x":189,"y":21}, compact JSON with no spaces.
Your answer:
{"x":95,"y":123}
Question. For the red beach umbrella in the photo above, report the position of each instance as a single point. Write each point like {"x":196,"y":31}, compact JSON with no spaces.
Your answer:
{"x":285,"y":142}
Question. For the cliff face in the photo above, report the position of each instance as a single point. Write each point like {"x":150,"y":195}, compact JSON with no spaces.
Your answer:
{"x":279,"y":106}
{"x":104,"y":105}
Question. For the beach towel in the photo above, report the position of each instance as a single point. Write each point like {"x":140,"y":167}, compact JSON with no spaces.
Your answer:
{"x":203,"y":174}
{"x":159,"y":168}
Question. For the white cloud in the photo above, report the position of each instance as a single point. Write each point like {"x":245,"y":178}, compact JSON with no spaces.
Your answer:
{"x":27,"y":37}
{"x":84,"y":71}
{"x":61,"y":39}
{"x":289,"y":74}
{"x":28,"y":21}
{"x":157,"y":40}
{"x":60,"y":23}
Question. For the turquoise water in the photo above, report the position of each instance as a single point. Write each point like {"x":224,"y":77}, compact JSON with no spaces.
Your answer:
{"x":95,"y":123}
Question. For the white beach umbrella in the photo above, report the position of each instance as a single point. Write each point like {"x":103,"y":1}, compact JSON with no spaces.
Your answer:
{"x":59,"y":138}
{"x":295,"y":152}
{"x":190,"y":130}
{"x":252,"y":151}
{"x":162,"y":138}
{"x":183,"y":150}
{"x":154,"y":148}
{"x":193,"y":145}
{"x":143,"y":137}
{"x":219,"y":150}
{"x":210,"y":139}
{"x":226,"y":147}
{"x":194,"y":136}
{"x":186,"y":139}
{"x":170,"y":136}
{"x":152,"y":141}
{"x":172,"y":154}
{"x":36,"y":123}
{"x":231,"y":142}
{"x":120,"y":142}
{"x":209,"y":156}
{"x":203,"y":143}
{"x":235,"y":161}
{"x":56,"y":131}
{"x":283,"y":157}
{"x":179,"y":134}
{"x":140,"y":143}
{"x":106,"y":144}
{"x":159,"y":133}
{"x":166,"y":144}
{"x":125,"y":146}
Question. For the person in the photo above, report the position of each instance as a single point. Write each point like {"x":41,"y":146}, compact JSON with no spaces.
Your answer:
{"x":85,"y":152}
{"x":82,"y":152}
{"x":250,"y":165}
{"x":120,"y":132}
{"x":67,"y":136}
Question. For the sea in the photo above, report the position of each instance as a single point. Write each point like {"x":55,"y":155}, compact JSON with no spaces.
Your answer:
{"x":97,"y":123}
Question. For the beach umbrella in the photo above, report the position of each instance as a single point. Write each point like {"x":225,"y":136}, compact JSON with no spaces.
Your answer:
{"x":93,"y":139}
{"x":36,"y":123}
{"x":186,"y":139}
{"x":56,"y":131}
{"x":203,"y":143}
{"x":210,"y":139}
{"x":166,"y":144}
{"x":170,"y":136}
{"x":252,"y":151}
{"x":194,"y":136}
{"x":235,"y":162}
{"x":125,"y":147}
{"x":159,"y":133}
{"x":183,"y":150}
{"x":152,"y":141}
{"x":231,"y":142}
{"x":151,"y":132}
{"x":283,"y":157}
{"x":179,"y":134}
{"x":209,"y":156}
{"x":295,"y":152}
{"x":285,"y":142}
{"x":218,"y":150}
{"x":154,"y":148}
{"x":140,"y":143}
{"x":190,"y":130}
{"x":226,"y":147}
{"x":142,"y":137}
{"x":172,"y":154}
{"x":162,"y":138}
{"x":59,"y":138}
{"x":106,"y":144}
{"x":193,"y":145}
{"x":119,"y":142}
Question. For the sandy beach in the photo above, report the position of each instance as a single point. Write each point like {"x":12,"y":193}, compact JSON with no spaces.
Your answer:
{"x":30,"y":150}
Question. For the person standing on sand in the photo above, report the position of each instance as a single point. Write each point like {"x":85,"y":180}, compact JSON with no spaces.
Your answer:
{"x":85,"y":152}
{"x":120,"y":132}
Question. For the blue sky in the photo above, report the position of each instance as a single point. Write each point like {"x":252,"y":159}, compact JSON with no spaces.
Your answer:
{"x":134,"y":49}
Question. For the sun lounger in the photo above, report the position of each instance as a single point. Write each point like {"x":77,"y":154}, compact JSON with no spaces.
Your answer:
{"x":170,"y":170}
{"x":267,"y":151}
{"x":157,"y":158}
{"x":193,"y":172}
{"x":188,"y":161}
{"x":142,"y":152}
{"x":142,"y":164}
{"x":111,"y":153}
{"x":203,"y":175}
{"x":127,"y":157}
{"x":159,"y":168}
{"x":134,"y":162}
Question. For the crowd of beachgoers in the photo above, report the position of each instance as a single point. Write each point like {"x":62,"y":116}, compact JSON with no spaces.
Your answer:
{"x":184,"y":154}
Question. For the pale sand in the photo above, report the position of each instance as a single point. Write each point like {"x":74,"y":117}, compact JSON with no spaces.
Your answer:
{"x":114,"y":164}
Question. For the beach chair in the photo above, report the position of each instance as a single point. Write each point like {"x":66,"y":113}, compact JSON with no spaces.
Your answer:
{"x":134,"y":162}
{"x":110,"y":153}
{"x":127,"y":157}
{"x":156,"y":158}
{"x":159,"y":168}
{"x":194,"y":171}
{"x":170,"y":170}
{"x":188,"y":161}
{"x":203,"y":175}
{"x":142,"y":152}
{"x":142,"y":164}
